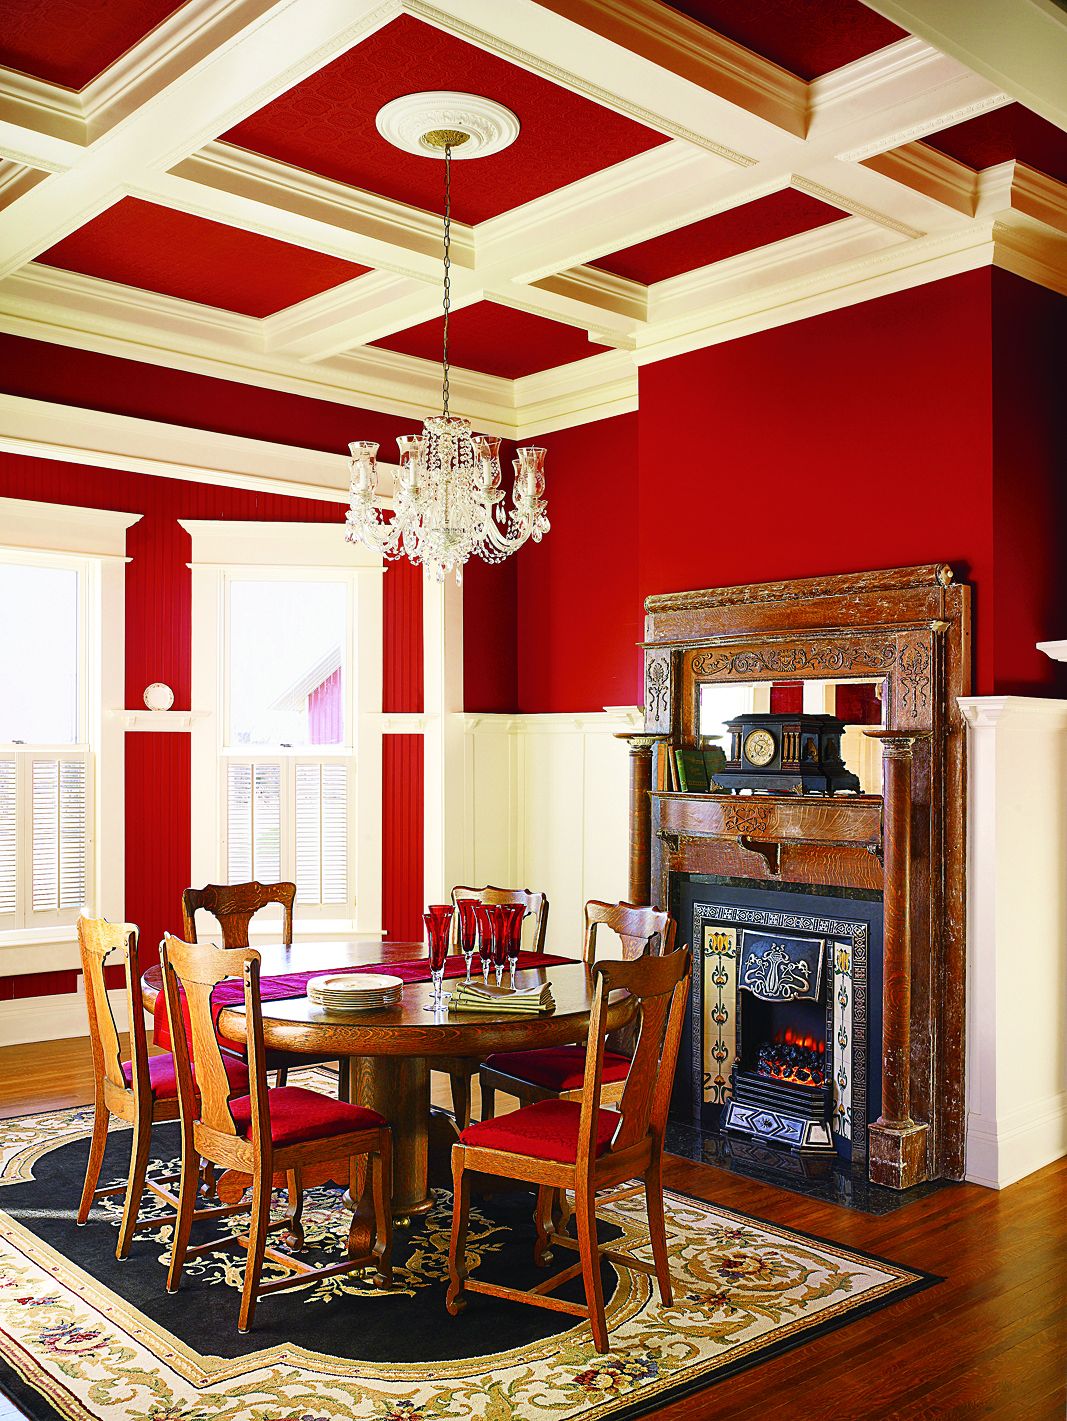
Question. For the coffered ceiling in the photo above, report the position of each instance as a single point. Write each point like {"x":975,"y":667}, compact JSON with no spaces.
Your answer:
{"x":203,"y":186}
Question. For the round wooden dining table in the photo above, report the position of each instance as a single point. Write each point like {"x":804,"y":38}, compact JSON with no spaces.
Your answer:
{"x":390,"y":1051}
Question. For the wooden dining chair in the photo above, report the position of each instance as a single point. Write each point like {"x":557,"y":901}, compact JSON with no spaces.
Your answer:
{"x":234,"y":905}
{"x":262,"y":1131}
{"x":142,"y":1090}
{"x":559,"y":1071}
{"x":461,"y":1070}
{"x":560,"y":1145}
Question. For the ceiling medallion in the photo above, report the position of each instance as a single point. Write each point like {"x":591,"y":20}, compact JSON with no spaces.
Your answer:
{"x":448,"y":505}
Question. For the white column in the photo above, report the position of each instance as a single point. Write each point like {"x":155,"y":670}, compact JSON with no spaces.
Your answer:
{"x":1017,"y":936}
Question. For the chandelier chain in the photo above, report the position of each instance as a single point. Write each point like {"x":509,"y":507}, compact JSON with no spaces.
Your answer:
{"x":447,"y":292}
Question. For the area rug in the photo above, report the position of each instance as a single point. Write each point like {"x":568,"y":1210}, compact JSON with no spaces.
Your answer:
{"x":82,"y":1336}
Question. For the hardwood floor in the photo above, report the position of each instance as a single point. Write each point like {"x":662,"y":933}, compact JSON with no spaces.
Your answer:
{"x":991,"y":1341}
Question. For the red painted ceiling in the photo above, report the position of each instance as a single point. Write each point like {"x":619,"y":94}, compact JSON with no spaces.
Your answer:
{"x":140,"y":244}
{"x":326,"y":125}
{"x":783,"y":214}
{"x":1003,"y":134}
{"x":807,"y":37}
{"x":496,"y":341}
{"x":70,"y":42}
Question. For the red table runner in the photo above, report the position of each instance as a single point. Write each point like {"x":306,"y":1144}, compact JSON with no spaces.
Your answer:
{"x":294,"y":984}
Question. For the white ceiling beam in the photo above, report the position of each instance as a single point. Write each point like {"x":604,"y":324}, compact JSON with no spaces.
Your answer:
{"x":1021,"y":48}
{"x":280,"y":44}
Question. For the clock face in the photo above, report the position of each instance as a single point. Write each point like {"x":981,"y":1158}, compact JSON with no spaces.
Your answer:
{"x":759,"y":747}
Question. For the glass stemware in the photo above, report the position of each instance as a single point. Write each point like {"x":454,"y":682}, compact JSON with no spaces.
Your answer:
{"x":500,"y":939}
{"x":486,"y":920}
{"x":468,"y":930}
{"x":438,"y":932}
{"x":513,"y":914}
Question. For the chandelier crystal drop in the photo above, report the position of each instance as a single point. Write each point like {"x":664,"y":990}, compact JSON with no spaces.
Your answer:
{"x":448,"y":504}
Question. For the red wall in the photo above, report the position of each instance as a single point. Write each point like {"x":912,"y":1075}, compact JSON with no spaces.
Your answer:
{"x":1030,"y":484}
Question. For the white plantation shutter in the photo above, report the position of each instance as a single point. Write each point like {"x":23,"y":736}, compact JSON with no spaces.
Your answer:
{"x":59,"y":834}
{"x":8,"y":836}
{"x":321,"y":813}
{"x":253,"y":822}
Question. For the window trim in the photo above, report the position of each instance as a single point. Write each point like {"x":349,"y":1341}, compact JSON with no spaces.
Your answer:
{"x":47,"y":534}
{"x":316,"y":551}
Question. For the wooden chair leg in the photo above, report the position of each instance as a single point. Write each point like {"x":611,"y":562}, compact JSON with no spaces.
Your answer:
{"x":488,"y":1101}
{"x":545,"y":1223}
{"x":257,"y":1241}
{"x":96,"y":1160}
{"x":461,"y":1098}
{"x":139,"y":1150}
{"x":455,"y":1302}
{"x":657,"y":1230}
{"x":344,"y":1075}
{"x":295,"y":1228}
{"x":585,"y":1215}
{"x":282,"y":1075}
{"x":188,"y":1192}
{"x":381,"y":1168}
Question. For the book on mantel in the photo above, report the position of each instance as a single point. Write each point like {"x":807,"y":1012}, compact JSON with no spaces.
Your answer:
{"x":529,"y":1001}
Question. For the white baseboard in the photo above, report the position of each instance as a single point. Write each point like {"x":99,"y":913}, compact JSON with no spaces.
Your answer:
{"x":54,"y":1018}
{"x":1003,"y":1150}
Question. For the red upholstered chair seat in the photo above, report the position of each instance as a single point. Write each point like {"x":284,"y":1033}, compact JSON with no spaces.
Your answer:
{"x":164,"y":1084}
{"x":548,"y":1129}
{"x":297,"y":1115}
{"x":556,"y":1067}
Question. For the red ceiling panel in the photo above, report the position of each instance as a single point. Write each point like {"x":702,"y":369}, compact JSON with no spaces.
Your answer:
{"x":755,"y":224}
{"x":326,"y":125}
{"x":495,"y":340}
{"x":1003,"y":134}
{"x":70,"y":42}
{"x":803,"y":36}
{"x":140,"y":244}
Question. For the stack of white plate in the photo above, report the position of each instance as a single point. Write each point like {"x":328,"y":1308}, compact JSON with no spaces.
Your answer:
{"x":355,"y":991}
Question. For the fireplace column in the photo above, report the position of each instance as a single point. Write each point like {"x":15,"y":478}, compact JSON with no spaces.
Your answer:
{"x":897,"y":1142}
{"x":640,"y":890}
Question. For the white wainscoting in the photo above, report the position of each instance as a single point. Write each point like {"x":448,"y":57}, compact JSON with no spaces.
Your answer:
{"x":54,"y":1018}
{"x":546,"y":807}
{"x":1017,"y":936}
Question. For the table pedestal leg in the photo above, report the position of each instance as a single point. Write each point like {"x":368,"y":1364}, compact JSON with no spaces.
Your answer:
{"x":398,"y":1087}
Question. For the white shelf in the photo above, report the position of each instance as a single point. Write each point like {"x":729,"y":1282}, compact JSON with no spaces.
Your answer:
{"x":1057,"y":650}
{"x":155,"y":721}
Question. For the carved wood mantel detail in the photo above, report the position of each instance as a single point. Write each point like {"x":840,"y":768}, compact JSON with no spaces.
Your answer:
{"x":910,"y":627}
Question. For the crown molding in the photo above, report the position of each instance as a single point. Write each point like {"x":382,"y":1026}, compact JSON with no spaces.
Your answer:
{"x":918,"y":166}
{"x":594,"y":286}
{"x":694,"y":52}
{"x":599,"y":387}
{"x":1014,"y":712}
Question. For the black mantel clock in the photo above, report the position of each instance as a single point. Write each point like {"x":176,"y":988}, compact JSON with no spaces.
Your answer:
{"x":786,"y":754}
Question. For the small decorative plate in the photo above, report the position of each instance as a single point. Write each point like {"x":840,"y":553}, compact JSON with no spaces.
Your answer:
{"x":158,"y":696}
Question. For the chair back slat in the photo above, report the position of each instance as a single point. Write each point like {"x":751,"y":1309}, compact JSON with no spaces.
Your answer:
{"x":194,"y":970}
{"x":234,"y":905}
{"x":640,"y":928}
{"x":103,"y":944}
{"x":536,"y":905}
{"x":661,"y":985}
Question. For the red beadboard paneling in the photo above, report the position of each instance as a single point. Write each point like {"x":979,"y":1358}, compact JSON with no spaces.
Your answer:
{"x":579,"y":602}
{"x":490,"y":641}
{"x":157,"y":834}
{"x":402,"y":671}
{"x":402,"y":842}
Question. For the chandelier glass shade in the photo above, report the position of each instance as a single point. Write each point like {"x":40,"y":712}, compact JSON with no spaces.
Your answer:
{"x":448,"y":503}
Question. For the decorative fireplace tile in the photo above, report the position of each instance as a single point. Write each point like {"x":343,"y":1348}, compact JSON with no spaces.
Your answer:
{"x":842,"y":1039}
{"x":720,"y":992}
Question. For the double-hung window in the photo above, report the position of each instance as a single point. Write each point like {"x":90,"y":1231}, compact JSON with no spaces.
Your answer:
{"x":46,"y":760}
{"x":286,"y":700}
{"x":287,"y":761}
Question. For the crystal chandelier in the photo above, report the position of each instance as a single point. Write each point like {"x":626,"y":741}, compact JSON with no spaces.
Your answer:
{"x":449,"y":504}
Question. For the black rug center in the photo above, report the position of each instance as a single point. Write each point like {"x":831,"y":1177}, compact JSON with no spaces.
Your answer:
{"x":344,"y":1316}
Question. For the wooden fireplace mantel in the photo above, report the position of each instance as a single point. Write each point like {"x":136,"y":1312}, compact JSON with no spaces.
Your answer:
{"x":909,"y":627}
